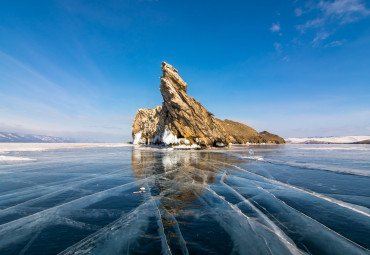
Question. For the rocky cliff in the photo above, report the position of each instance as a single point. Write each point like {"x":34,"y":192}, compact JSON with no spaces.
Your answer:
{"x":182,"y":120}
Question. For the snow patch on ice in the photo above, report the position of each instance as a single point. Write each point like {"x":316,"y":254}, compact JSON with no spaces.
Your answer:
{"x":9,"y":147}
{"x":254,"y":157}
{"x":11,"y":158}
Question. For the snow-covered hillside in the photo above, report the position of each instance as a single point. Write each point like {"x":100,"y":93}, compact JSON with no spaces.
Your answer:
{"x":332,"y":139}
{"x":6,"y":137}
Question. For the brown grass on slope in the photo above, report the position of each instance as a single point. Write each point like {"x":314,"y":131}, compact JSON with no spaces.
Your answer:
{"x":241,"y":133}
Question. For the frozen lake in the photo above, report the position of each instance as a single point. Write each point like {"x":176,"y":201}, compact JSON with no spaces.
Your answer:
{"x":121,"y":199}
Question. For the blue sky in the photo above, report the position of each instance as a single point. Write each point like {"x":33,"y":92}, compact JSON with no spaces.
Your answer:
{"x":82,"y":68}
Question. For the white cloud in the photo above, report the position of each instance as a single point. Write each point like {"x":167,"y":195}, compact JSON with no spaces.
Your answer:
{"x":275,"y":27}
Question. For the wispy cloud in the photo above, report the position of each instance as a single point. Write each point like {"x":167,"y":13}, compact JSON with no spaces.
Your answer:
{"x":314,"y":23}
{"x":33,"y":101}
{"x":344,"y":11}
{"x":34,"y":86}
{"x":319,"y":37}
{"x":298,"y":12}
{"x":334,"y":44}
{"x":330,"y":15}
{"x":278,"y":47}
{"x":275,"y":27}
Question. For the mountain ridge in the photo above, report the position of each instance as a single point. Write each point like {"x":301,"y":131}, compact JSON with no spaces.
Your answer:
{"x":10,"y":137}
{"x":330,"y":140}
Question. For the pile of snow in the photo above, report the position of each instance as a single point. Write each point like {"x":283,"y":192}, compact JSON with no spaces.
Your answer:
{"x":333,"y":139}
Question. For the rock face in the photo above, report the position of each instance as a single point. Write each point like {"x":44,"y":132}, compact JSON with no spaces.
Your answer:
{"x":182,"y":120}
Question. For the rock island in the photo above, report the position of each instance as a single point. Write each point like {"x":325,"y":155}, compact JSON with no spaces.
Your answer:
{"x":183,"y":121}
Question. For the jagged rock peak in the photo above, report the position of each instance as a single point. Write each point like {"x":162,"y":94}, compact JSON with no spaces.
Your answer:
{"x":170,"y":74}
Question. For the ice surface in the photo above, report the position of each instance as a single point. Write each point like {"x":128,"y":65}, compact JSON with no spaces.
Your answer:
{"x":318,"y":166}
{"x":117,"y":237}
{"x":143,"y":200}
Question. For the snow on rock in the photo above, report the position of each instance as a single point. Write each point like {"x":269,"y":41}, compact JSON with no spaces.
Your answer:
{"x":187,"y":146}
{"x":166,"y":138}
{"x":169,"y":138}
{"x":137,"y":138}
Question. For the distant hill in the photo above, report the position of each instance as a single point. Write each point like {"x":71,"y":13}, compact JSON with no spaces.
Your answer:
{"x":6,"y":137}
{"x":330,"y":140}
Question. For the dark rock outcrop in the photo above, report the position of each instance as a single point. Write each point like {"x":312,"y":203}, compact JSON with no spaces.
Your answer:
{"x":363,"y":142}
{"x":182,"y":120}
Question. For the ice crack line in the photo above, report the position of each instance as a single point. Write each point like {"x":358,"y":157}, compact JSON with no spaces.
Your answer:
{"x":289,"y":243}
{"x":304,"y":215}
{"x":331,"y":200}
